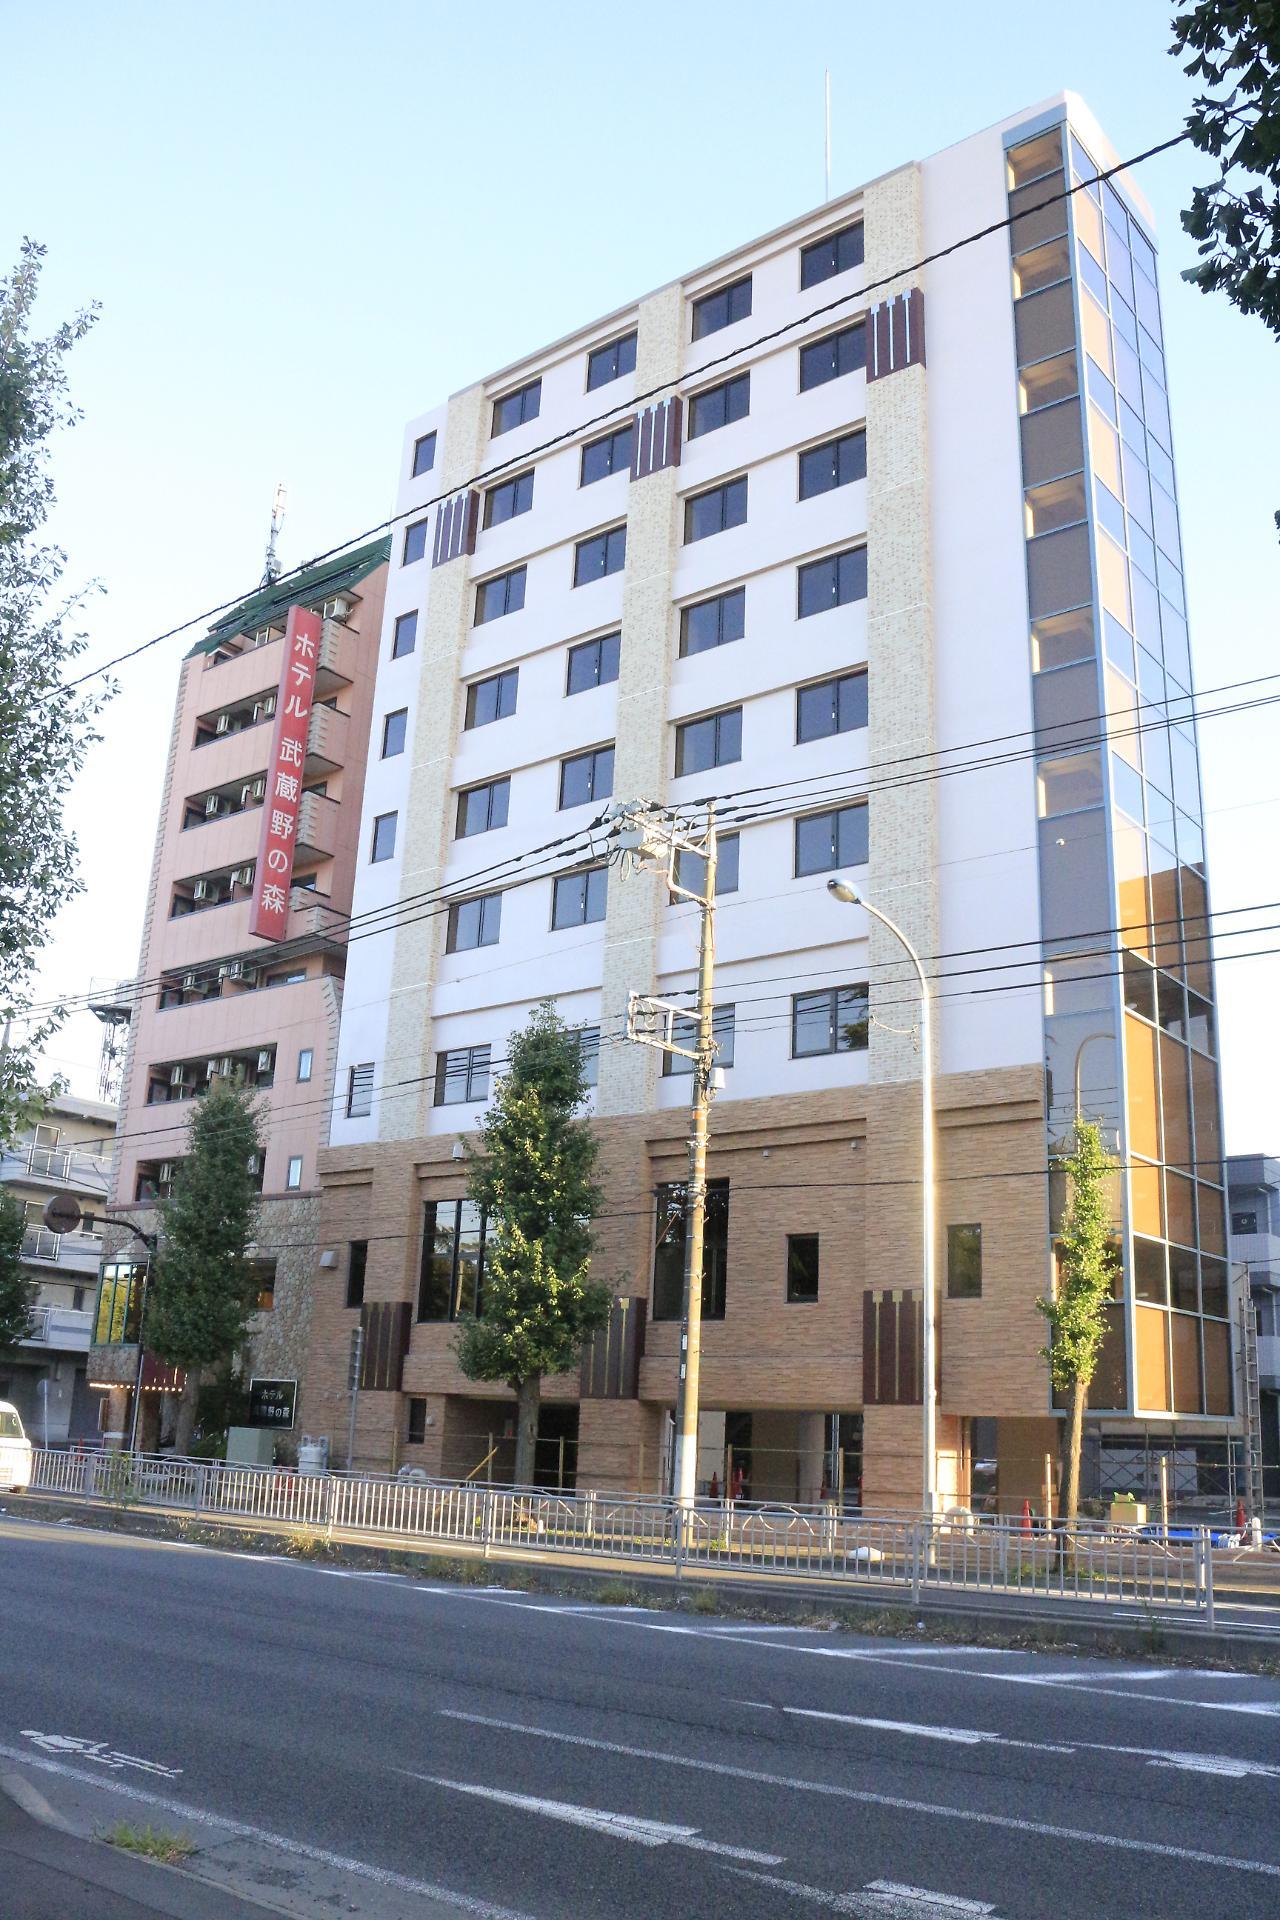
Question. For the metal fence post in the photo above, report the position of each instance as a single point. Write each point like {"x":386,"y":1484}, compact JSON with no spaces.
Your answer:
{"x":330,"y":1484}
{"x":1206,"y":1550}
{"x":486,"y":1522}
{"x":917,"y":1554}
{"x":198,"y":1505}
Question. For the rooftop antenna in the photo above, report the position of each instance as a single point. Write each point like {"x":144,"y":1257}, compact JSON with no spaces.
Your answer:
{"x":273,"y":568}
{"x":826,"y":145}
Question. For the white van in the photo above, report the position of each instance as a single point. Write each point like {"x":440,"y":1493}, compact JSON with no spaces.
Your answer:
{"x":15,"y":1451}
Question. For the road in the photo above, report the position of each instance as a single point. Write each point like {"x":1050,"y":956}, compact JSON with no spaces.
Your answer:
{"x":415,"y":1749}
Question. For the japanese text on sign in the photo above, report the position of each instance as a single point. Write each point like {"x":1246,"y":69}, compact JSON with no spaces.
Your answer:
{"x":274,"y":872}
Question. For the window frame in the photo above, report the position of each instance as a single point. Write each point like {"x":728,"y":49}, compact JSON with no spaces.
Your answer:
{"x":607,"y":541}
{"x":715,"y":720}
{"x":844,"y":999}
{"x":723,"y":841}
{"x":956,"y":1290}
{"x":427,"y":1256}
{"x":676,"y":1066}
{"x":402,"y":715}
{"x":357,"y":1270}
{"x":719,"y":601}
{"x":309,"y":1055}
{"x":833,"y":813}
{"x":808,"y":570}
{"x":732,"y":385}
{"x":356,"y":1086}
{"x":292,"y":1184}
{"x":704,"y":321}
{"x":618,"y":348}
{"x":507,"y":678}
{"x":612,"y":440}
{"x":815,"y":248}
{"x":725,"y":492}
{"x":599,"y":641}
{"x":850,"y":438}
{"x":588,"y":919}
{"x":376,"y":858}
{"x":521,"y":498}
{"x":834,"y":340}
{"x":462,"y":832}
{"x":506,"y":580}
{"x":488,"y":922}
{"x":794,"y":1297}
{"x":593,"y":758}
{"x":520,"y":395}
{"x":715,"y":1251}
{"x":476,"y":1068}
{"x":834,"y":682}
{"x":415,"y":535}
{"x":399,"y":652}
{"x":417,"y":465}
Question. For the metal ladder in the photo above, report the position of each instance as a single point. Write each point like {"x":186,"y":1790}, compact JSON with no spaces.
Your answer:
{"x":1253,"y":1486}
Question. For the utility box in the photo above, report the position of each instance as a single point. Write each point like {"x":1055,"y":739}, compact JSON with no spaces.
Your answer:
{"x":250,"y":1447}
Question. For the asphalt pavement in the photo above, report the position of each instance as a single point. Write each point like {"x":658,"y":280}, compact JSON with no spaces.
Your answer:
{"x":382,"y":1745}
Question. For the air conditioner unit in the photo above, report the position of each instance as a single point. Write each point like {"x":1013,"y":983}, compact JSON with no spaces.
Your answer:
{"x":177,"y":1076}
{"x":266,"y":1060}
{"x":222,"y":723}
{"x":212,"y":805}
{"x":200,"y":891}
{"x":249,"y":976}
{"x":225,"y":1064}
{"x":188,"y":982}
{"x":254,"y":1163}
{"x":210,"y":1068}
{"x":242,"y":877}
{"x":260,"y":787}
{"x":224,"y":970}
{"x":246,"y":794}
{"x":269,"y":705}
{"x":234,"y":969}
{"x":166,"y":1172}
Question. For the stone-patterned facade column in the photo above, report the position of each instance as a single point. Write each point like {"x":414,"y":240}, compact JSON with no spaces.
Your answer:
{"x":628,"y":1074}
{"x":429,"y":826}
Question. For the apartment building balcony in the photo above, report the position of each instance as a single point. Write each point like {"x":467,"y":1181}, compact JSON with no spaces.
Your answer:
{"x":317,"y":831}
{"x":75,"y":1255}
{"x":314,"y":919}
{"x":59,"y":1330}
{"x":229,"y":840}
{"x":327,"y":741}
{"x":1269,"y":1362}
{"x":221,"y":760}
{"x":337,"y":659}
{"x":88,"y":1174}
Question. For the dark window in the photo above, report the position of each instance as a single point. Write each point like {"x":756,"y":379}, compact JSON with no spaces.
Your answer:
{"x":360,"y":1091}
{"x":603,"y":553}
{"x":503,"y":594}
{"x":424,"y":454}
{"x":823,"y":259}
{"x":825,"y":841}
{"x":684,"y":1032}
{"x":802,"y":1268}
{"x":720,"y":406}
{"x":713,"y":741}
{"x":833,"y":356}
{"x":831,"y":706}
{"x":384,"y":837}
{"x":1244,"y":1223}
{"x":417,"y":1429}
{"x":722,"y":308}
{"x":829,"y":1020}
{"x":357,"y":1262}
{"x":691,"y":869}
{"x":610,"y":363}
{"x":713,"y":623}
{"x":832,"y":582}
{"x":586,"y":776}
{"x":393,"y":727}
{"x":404,"y":635}
{"x":462,"y":1074}
{"x":589,"y":1053}
{"x":668,"y":1257}
{"x":474,"y":923}
{"x":964,"y":1263}
{"x":482,"y":808}
{"x":593,"y":663}
{"x":492,"y":699}
{"x":415,"y":543}
{"x":611,"y":453}
{"x":507,"y":499}
{"x":834,"y":464}
{"x":716,"y":510}
{"x":451,"y":1276}
{"x":579,"y":898}
{"x":514,"y":409}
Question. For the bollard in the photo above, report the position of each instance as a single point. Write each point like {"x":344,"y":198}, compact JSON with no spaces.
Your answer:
{"x":1206,"y":1550}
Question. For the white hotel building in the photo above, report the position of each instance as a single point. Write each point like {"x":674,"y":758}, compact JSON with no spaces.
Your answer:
{"x":860,"y":542}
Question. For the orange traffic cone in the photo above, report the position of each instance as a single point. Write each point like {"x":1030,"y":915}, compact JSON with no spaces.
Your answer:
{"x":1026,"y":1516}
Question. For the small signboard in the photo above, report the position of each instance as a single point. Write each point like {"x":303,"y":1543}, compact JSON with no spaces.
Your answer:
{"x":62,"y":1213}
{"x":272,"y":1402}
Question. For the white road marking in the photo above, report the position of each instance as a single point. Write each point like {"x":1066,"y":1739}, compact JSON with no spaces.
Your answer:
{"x":878,"y":1900}
{"x":97,"y":1750}
{"x":864,"y":1797}
{"x":940,"y":1903}
{"x":1217,"y":1763}
{"x":384,"y":1876}
{"x":622,"y":1826}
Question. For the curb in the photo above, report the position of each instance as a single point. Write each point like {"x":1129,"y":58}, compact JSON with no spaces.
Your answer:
{"x":32,"y":1802}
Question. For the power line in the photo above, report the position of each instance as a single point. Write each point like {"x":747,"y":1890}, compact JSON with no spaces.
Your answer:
{"x":637,"y":400}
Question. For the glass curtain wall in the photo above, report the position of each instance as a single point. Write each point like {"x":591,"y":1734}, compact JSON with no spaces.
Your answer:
{"x":1130,"y":1030}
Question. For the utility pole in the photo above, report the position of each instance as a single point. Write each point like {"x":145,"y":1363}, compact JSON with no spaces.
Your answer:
{"x":653,"y":838}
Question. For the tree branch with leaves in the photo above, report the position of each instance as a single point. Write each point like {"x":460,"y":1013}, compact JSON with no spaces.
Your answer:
{"x":1088,"y":1260}
{"x":534,"y":1179}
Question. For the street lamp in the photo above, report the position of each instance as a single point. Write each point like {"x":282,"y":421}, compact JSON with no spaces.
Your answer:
{"x":842,"y":890}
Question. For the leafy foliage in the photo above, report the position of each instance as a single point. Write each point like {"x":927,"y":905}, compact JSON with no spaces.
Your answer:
{"x":534,"y":1177}
{"x":1235,"y":49}
{"x":17,"y":1293}
{"x":45,"y":731}
{"x":1086,"y":1265}
{"x":204,"y":1287}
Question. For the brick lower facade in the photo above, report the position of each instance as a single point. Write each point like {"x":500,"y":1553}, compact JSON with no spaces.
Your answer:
{"x":843,"y":1165}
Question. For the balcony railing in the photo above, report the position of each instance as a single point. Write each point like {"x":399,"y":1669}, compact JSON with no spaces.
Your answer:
{"x":63,"y":1166}
{"x":80,"y":1250}
{"x":60,"y":1327}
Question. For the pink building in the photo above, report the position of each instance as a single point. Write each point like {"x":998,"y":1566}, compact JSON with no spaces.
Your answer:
{"x":212,"y":998}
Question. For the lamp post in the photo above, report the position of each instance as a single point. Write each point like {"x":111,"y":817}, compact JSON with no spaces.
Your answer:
{"x":842,"y":890}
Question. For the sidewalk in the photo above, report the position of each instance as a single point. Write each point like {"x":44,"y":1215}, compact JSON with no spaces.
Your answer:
{"x":50,"y":1874}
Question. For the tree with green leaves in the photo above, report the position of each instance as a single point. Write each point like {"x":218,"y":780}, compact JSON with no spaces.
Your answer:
{"x":45,"y":726}
{"x":534,"y":1179}
{"x":17,"y":1293}
{"x":1235,"y":53}
{"x":1077,"y":1314}
{"x":203,"y":1287}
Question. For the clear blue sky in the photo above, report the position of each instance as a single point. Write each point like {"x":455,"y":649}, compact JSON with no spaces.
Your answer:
{"x":305,"y":222}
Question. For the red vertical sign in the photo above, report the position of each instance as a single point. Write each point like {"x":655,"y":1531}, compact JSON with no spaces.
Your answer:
{"x":274,"y":872}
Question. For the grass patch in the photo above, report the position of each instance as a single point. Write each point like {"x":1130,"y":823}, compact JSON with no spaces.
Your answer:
{"x":616,"y":1593}
{"x":152,"y":1842}
{"x":705,"y":1600}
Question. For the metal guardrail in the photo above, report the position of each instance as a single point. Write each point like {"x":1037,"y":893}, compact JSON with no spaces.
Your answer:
{"x":957,"y":1553}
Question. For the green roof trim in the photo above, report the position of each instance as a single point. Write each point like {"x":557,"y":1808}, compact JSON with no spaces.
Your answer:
{"x":308,"y":584}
